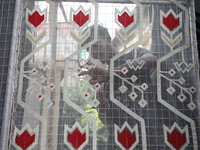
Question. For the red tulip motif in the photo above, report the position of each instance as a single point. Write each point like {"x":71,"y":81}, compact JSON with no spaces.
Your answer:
{"x":80,"y":18}
{"x":126,"y":138}
{"x":36,"y":19}
{"x":171,"y":22}
{"x":125,"y":19}
{"x":176,"y":138}
{"x":76,"y":138}
{"x":25,"y":140}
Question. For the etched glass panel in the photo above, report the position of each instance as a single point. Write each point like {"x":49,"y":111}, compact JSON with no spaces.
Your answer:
{"x":112,"y":75}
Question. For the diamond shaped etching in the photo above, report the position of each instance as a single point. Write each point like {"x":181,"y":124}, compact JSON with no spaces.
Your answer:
{"x":97,"y":86}
{"x":51,"y":87}
{"x":133,"y":78}
{"x":40,"y":97}
{"x":78,"y":70}
{"x":192,"y":89}
{"x":135,"y":63}
{"x":124,"y":70}
{"x":192,"y":106}
{"x":142,"y":103}
{"x":30,"y":90}
{"x":183,"y":66}
{"x":95,"y":103}
{"x":133,"y":95}
{"x":172,"y":72}
{"x":144,"y":86}
{"x":48,"y":104}
{"x":123,"y":88}
{"x":34,"y":71}
{"x":181,"y":97}
{"x":170,"y":90}
{"x":42,"y":79}
{"x":87,"y":77}
{"x":181,"y":80}
{"x":86,"y":95}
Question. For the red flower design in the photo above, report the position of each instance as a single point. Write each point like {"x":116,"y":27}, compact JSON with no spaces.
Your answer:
{"x":170,"y":22}
{"x":125,"y":19}
{"x":126,"y":138}
{"x":25,"y":140}
{"x":76,"y":138}
{"x":176,"y":139}
{"x":80,"y":18}
{"x":36,"y":19}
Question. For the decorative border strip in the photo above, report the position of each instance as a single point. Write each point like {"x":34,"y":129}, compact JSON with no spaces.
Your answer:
{"x":112,"y":98}
{"x":25,"y":106}
{"x":80,"y":39}
{"x":159,"y":75}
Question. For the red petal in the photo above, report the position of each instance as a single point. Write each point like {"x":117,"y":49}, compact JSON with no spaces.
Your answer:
{"x":170,"y":22}
{"x":125,"y":19}
{"x":76,"y":138}
{"x":80,"y":18}
{"x":25,"y":140}
{"x":126,"y":138}
{"x":36,"y":19}
{"x":176,"y":139}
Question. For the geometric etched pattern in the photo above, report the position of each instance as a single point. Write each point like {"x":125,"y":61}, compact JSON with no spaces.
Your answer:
{"x":80,"y":89}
